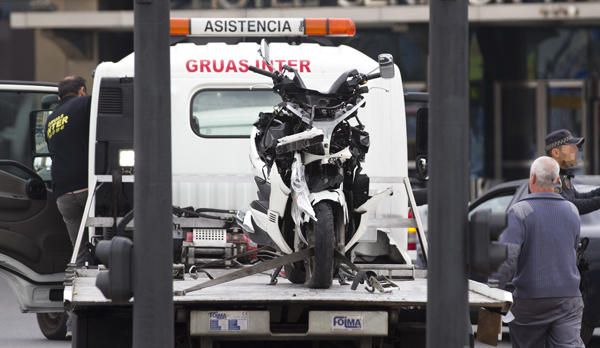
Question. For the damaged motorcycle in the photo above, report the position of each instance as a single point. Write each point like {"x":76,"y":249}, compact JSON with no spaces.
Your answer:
{"x":307,"y":157}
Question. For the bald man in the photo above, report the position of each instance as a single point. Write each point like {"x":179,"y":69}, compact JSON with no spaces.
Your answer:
{"x":542,"y":236}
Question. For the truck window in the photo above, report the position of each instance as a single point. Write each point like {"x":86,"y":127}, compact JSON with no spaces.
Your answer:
{"x":229,"y":113}
{"x":15,"y":113}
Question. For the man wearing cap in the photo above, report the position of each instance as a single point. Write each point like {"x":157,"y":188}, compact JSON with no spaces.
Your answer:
{"x":563,"y":147}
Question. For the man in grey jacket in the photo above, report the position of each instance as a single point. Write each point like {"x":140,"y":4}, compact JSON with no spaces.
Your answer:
{"x":542,"y":234}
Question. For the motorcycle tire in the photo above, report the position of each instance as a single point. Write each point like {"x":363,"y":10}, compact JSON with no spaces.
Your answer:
{"x":321,"y":236}
{"x":53,"y":325}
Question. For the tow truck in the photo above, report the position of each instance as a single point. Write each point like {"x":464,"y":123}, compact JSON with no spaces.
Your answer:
{"x":215,"y":100}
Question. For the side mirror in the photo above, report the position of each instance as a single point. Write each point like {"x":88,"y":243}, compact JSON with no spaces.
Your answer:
{"x":264,"y":51}
{"x":386,"y":65}
{"x":485,"y":254}
{"x":421,"y":143}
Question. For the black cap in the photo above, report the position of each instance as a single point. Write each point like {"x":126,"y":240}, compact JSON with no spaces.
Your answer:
{"x":562,"y":137}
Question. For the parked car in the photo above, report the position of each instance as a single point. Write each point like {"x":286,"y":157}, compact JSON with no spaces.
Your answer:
{"x":503,"y":196}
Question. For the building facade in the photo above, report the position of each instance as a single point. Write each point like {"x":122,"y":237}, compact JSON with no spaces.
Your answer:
{"x":534,"y":66}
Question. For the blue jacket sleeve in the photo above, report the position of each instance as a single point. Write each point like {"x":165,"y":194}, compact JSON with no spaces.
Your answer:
{"x":513,"y":236}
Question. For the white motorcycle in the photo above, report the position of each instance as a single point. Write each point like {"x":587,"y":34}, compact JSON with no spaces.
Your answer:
{"x":307,"y":155}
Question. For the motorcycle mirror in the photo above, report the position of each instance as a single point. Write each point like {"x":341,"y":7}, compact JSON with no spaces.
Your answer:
{"x":264,"y":51}
{"x":386,"y":65}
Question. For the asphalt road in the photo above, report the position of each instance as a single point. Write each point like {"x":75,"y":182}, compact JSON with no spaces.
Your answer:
{"x":20,"y":329}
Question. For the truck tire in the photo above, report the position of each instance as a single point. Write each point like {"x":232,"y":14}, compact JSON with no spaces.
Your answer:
{"x":53,"y":325}
{"x":321,"y":235}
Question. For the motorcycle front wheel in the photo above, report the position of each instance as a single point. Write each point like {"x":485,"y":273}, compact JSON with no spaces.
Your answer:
{"x":321,"y":235}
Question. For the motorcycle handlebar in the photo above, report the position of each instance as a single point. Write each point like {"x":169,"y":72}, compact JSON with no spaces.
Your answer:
{"x":262,"y":72}
{"x":373,"y":76}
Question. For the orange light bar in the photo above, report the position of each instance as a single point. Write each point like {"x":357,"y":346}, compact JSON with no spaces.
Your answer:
{"x":342,"y":27}
{"x":315,"y":26}
{"x":179,"y":26}
{"x":329,"y":27}
{"x":261,"y":27}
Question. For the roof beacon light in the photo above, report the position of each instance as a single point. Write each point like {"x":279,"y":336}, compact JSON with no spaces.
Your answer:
{"x":179,"y":26}
{"x":262,"y":27}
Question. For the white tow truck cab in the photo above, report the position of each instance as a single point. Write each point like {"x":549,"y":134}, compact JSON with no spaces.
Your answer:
{"x":215,"y":100}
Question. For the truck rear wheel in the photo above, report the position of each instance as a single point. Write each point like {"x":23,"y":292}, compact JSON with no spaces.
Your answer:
{"x":53,"y":325}
{"x":321,"y":235}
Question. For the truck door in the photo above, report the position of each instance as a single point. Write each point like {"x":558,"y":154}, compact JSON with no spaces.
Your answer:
{"x":34,"y":244}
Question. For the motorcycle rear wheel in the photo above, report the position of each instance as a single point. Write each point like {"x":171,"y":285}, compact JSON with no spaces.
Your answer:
{"x":321,"y":235}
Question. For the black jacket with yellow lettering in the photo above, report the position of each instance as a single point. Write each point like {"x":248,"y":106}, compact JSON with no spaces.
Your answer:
{"x":67,"y":131}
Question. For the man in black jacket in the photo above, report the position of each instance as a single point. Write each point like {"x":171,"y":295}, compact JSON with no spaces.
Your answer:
{"x":67,"y":130}
{"x":564,"y":147}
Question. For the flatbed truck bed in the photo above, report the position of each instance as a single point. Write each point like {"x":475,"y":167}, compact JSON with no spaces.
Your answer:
{"x":256,"y":289}
{"x":252,"y":311}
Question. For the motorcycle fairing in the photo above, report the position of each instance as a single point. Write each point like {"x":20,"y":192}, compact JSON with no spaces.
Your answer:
{"x":267,"y":218}
{"x":336,"y":196}
{"x":367,"y":209}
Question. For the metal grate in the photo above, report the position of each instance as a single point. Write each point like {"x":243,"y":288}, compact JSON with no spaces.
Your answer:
{"x":110,"y":100}
{"x":272,"y":216}
{"x":210,"y":237}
